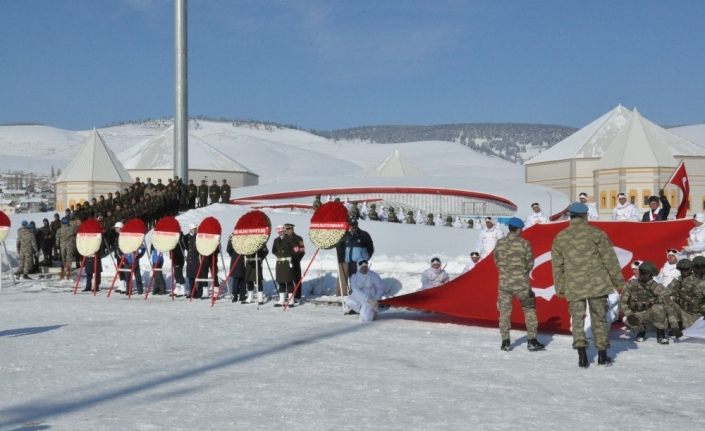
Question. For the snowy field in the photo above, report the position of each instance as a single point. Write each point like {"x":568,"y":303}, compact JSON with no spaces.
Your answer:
{"x":91,"y":363}
{"x":95,"y":363}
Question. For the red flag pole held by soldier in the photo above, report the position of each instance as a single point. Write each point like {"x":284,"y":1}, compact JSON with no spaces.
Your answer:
{"x":95,"y":273}
{"x":129,"y":277}
{"x":151,"y":276}
{"x":298,"y":284}
{"x":196,"y":280}
{"x":230,"y":272}
{"x":117,"y":273}
{"x":173,"y":283}
{"x":80,"y":271}
{"x":214,"y":276}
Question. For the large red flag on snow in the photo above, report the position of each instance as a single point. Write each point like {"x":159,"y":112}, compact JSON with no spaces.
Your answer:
{"x":680,"y":180}
{"x":474,"y":295}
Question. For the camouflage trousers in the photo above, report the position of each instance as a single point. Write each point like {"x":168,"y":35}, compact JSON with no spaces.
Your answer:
{"x":598,"y":322}
{"x":26,"y":263}
{"x":528,"y":304}
{"x":683,"y":316}
{"x":655,"y":315}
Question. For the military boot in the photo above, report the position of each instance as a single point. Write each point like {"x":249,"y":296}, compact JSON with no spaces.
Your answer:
{"x":534,"y":345}
{"x":641,"y":336}
{"x":661,"y":336}
{"x":603,"y":359}
{"x":582,"y":358}
{"x":505,"y":345}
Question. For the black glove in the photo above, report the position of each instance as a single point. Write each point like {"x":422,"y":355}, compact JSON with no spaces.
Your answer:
{"x":632,"y":320}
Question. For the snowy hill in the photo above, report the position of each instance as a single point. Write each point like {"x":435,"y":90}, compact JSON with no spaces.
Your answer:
{"x":276,"y":154}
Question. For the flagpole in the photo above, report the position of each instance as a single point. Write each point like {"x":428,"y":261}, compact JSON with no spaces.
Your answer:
{"x":673,"y":174}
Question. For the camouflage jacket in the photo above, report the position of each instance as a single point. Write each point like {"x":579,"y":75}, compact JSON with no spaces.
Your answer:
{"x":26,"y":241}
{"x":65,"y":237}
{"x":638,"y":296}
{"x":584,"y":262}
{"x":689,"y":294}
{"x":514,"y":260}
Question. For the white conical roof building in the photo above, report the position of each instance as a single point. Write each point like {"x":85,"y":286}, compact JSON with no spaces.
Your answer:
{"x":620,"y":152}
{"x":396,"y":165}
{"x":154,"y":158}
{"x":93,"y":171}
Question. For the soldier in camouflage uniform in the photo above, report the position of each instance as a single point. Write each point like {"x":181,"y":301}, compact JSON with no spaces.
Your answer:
{"x":687,"y":298}
{"x":586,"y":271}
{"x":65,"y":240}
{"x":645,"y":302}
{"x":515,"y":260}
{"x":26,"y":249}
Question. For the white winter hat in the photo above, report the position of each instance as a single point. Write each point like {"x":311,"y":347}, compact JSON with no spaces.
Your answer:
{"x":700,"y":217}
{"x":119,"y":224}
{"x":192,"y":226}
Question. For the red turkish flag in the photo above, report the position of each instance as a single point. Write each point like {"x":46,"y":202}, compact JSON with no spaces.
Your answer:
{"x":474,"y":295}
{"x":680,"y":180}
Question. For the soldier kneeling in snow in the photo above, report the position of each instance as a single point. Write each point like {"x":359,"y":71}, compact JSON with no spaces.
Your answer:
{"x":643,"y":303}
{"x":367,"y":289}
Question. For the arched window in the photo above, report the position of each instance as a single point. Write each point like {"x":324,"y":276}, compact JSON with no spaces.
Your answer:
{"x":645,"y":194}
{"x":603,"y":199}
{"x":633,"y":194}
{"x":613,"y":198}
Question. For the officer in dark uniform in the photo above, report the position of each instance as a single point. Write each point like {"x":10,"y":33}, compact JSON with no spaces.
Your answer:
{"x":192,"y":191}
{"x":283,"y":249}
{"x":225,"y":192}
{"x":214,"y":192}
{"x":203,"y":194}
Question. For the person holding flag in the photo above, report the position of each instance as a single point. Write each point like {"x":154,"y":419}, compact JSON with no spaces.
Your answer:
{"x":656,"y":213}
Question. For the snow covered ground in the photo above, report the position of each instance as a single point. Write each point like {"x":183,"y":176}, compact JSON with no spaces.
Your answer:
{"x":91,"y":363}
{"x":83,"y":362}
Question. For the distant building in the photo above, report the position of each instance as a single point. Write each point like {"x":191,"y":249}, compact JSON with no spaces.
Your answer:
{"x":154,"y":158}
{"x":93,"y":171}
{"x":620,"y":152}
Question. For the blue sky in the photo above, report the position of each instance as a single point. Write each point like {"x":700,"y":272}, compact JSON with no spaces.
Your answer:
{"x":78,"y":64}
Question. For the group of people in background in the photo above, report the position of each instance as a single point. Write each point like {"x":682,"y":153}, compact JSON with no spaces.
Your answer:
{"x":145,"y":200}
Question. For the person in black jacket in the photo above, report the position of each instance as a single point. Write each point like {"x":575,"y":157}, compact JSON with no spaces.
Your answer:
{"x":357,"y":246}
{"x":655,"y":213}
{"x":237,"y":273}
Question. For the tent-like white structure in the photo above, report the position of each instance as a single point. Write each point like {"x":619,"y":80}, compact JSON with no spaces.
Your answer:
{"x":619,"y":152}
{"x":154,"y":158}
{"x":93,"y":171}
{"x":396,"y":165}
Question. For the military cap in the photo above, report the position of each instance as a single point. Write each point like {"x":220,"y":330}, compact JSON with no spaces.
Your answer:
{"x":583,"y":195}
{"x":648,"y":267}
{"x":577,"y":208}
{"x":621,"y":195}
{"x":684,"y":264}
{"x":699,"y":261}
{"x":516,"y":222}
{"x":474,"y":253}
{"x":288,"y":226}
{"x":435,"y":260}
{"x":535,"y":204}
